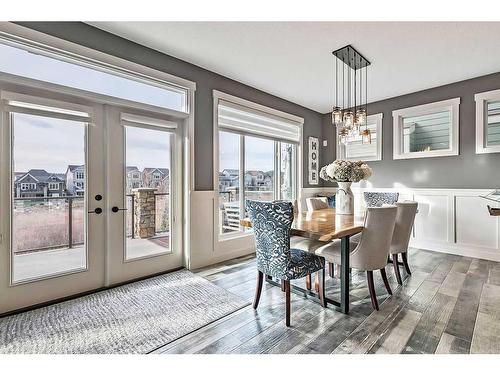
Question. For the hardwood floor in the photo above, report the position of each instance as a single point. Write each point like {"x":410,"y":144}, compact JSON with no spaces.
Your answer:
{"x":450,"y":304}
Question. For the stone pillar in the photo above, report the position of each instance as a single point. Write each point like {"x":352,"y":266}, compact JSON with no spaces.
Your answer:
{"x":144,"y":212}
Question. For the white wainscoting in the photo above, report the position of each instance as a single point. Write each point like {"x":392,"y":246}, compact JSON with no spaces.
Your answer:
{"x":454,"y":221}
{"x":204,"y":248}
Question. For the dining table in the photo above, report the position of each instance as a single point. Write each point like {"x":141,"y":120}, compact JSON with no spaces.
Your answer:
{"x":325,"y":225}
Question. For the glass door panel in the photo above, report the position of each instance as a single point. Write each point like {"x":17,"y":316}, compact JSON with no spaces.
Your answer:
{"x":48,"y":193}
{"x":147,"y":190}
{"x":259,"y":169}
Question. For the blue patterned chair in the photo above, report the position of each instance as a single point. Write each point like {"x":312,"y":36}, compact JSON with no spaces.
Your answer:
{"x":271,"y":222}
{"x":375,"y":199}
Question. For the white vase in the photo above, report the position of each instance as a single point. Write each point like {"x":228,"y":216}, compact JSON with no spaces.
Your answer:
{"x":344,"y":199}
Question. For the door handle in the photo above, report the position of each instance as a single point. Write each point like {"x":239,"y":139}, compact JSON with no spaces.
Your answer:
{"x":96,"y":211}
{"x":116,"y":209}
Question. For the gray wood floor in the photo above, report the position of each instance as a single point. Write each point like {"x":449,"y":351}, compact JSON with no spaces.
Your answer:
{"x":450,"y":304}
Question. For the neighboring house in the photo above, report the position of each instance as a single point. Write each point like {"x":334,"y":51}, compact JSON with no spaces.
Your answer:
{"x":134,"y":178}
{"x":268,"y":180}
{"x":39,"y":183}
{"x":155,"y":177}
{"x":75,"y":180}
{"x":227,"y":181}
{"x":254,"y":178}
{"x":230,"y":173}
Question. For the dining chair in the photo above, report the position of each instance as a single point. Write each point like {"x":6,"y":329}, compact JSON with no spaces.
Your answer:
{"x":371,"y":252}
{"x":377,"y":199}
{"x":405,"y":218}
{"x":317,"y":203}
{"x":271,"y":222}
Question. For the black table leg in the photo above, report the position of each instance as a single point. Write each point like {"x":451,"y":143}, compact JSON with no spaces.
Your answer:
{"x":344,"y":274}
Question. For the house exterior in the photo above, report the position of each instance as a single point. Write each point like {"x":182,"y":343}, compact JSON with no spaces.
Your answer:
{"x":254,"y":179}
{"x":39,"y":183}
{"x":75,"y":180}
{"x":134,"y":178}
{"x":155,"y":177}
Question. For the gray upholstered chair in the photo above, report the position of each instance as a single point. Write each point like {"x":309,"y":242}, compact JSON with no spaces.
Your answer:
{"x":373,"y":249}
{"x":405,"y":218}
{"x":376,"y":199}
{"x":271,"y":222}
{"x":318,"y":203}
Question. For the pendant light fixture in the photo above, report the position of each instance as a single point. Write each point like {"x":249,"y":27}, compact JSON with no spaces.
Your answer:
{"x":349,"y":113}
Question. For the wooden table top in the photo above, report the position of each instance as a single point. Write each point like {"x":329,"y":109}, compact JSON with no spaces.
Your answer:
{"x":322,"y":225}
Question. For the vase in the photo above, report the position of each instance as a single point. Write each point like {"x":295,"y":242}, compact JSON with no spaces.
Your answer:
{"x":344,"y":199}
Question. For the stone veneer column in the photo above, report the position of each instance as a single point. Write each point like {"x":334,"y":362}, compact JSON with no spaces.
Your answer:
{"x":144,"y":212}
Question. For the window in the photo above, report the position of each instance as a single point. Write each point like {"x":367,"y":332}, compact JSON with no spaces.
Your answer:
{"x":79,"y":185}
{"x":428,"y":130}
{"x":135,"y":175}
{"x":65,"y":69}
{"x":354,"y":149}
{"x":488,"y":122}
{"x":53,"y":185}
{"x":79,"y":176}
{"x":28,"y":186}
{"x":156,"y":176}
{"x":257,"y":154}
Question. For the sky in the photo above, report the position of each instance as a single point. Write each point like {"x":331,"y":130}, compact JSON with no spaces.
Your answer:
{"x":259,"y":152}
{"x":52,"y":144}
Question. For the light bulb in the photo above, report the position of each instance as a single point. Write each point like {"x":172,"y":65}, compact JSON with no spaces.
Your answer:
{"x":361,"y":115}
{"x":348,"y":118}
{"x":336,"y":115}
{"x":366,"y":136}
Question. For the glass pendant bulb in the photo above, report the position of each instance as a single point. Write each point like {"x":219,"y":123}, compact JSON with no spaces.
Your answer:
{"x":336,"y":115}
{"x":366,"y":137}
{"x":348,"y":118}
{"x":343,"y":134}
{"x":361,"y":115}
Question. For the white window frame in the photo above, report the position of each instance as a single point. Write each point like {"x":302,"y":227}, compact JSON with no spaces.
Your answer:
{"x":28,"y":186}
{"x":217,"y":96}
{"x":375,"y":118}
{"x":54,"y":185}
{"x":451,"y":104}
{"x":79,"y":173}
{"x":482,"y":100}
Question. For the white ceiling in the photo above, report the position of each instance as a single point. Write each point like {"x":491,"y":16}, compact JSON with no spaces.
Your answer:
{"x":293,"y":60}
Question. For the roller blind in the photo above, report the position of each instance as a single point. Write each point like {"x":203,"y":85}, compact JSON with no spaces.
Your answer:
{"x":241,"y":119}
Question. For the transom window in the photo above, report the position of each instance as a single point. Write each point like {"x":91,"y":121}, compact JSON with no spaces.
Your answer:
{"x":256,"y":154}
{"x":427,"y":130}
{"x":59,"y":68}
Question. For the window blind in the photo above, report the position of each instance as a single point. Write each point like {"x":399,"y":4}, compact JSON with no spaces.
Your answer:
{"x":241,"y":119}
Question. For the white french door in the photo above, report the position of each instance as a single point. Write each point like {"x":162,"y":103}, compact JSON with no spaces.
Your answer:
{"x":74,"y":215}
{"x":144,"y":193}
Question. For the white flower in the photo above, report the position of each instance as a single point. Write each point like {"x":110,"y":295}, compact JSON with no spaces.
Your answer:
{"x":346,"y":171}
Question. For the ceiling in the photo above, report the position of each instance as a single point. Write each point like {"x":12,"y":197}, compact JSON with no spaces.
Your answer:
{"x":293,"y":60}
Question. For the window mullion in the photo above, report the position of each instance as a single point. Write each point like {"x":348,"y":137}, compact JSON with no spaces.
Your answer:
{"x":242,"y":176}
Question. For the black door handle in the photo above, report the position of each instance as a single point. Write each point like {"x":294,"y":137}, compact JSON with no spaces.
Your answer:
{"x":97,"y":211}
{"x":116,"y":209}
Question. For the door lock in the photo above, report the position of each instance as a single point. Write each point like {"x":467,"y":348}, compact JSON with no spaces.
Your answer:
{"x":96,"y":211}
{"x":116,"y":209}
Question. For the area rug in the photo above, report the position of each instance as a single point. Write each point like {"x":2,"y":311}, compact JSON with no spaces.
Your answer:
{"x":134,"y":318}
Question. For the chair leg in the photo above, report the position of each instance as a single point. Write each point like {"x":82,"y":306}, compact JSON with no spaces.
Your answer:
{"x":308,"y":282}
{"x":405,"y":262}
{"x":386,"y":282}
{"x":396,"y":268}
{"x":287,"y":302}
{"x":371,"y":288}
{"x":316,"y":283}
{"x":321,"y":277}
{"x":331,"y":268}
{"x":258,"y":290}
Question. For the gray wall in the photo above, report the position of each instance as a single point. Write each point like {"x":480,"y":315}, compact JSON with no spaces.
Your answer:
{"x":206,"y":81}
{"x":466,"y":170}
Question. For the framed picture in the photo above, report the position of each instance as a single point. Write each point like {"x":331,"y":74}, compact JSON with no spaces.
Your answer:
{"x":313,"y":160}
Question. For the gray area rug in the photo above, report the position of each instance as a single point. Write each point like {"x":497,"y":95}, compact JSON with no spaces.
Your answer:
{"x":134,"y":318}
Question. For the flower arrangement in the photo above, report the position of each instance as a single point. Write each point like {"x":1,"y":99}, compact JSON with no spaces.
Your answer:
{"x":345,"y":171}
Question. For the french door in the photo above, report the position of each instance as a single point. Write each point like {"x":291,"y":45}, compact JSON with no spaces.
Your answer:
{"x":89,"y":195}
